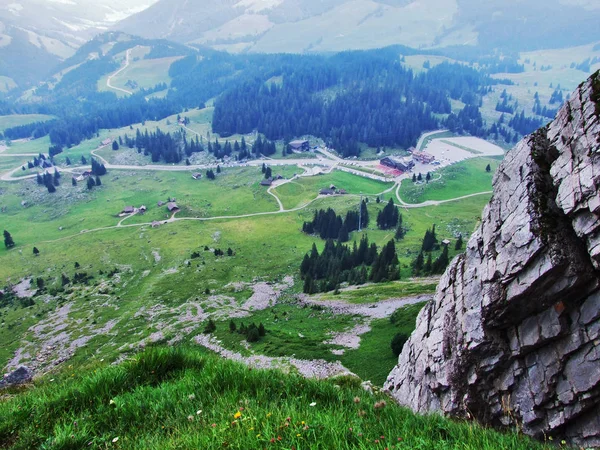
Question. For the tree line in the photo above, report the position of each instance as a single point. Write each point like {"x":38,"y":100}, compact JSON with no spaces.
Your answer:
{"x":339,"y":263}
{"x":329,"y":225}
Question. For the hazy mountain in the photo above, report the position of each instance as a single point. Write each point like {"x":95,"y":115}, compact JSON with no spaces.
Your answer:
{"x":331,"y":25}
{"x":35,"y":35}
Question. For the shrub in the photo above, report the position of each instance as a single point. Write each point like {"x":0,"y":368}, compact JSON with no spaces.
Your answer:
{"x":210,"y":327}
{"x":398,"y":342}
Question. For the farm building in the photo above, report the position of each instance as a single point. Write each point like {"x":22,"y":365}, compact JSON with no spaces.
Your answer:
{"x":128,"y":210}
{"x":196,"y":176}
{"x":172,"y":207}
{"x":267,"y":182}
{"x":160,"y":203}
{"x":143,"y":208}
{"x":300,"y":145}
{"x":423,"y":157}
{"x":327,"y":192}
{"x":446,"y":242}
{"x":403,"y":165}
{"x":106,"y":142}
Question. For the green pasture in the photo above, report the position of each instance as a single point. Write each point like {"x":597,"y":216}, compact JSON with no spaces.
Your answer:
{"x":464,"y":178}
{"x":15,"y":120}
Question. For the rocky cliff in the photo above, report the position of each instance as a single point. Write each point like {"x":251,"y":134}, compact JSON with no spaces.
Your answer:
{"x":512,"y":337}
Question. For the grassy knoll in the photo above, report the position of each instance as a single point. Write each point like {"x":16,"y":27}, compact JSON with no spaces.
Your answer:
{"x":464,"y":178}
{"x":375,"y":345}
{"x":185,"y":398}
{"x":373,"y":293}
{"x":303,"y":190}
{"x":15,"y":120}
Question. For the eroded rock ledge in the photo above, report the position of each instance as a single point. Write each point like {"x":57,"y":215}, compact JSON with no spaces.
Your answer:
{"x":512,"y":337}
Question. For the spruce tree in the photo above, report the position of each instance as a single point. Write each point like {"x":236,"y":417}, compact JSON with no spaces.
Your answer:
{"x":74,"y":181}
{"x":232,"y":326}
{"x":488,"y":168}
{"x":459,"y":243}
{"x":98,"y":181}
{"x":36,"y":251}
{"x":8,"y":240}
{"x":418,"y":264}
{"x":90,"y":183}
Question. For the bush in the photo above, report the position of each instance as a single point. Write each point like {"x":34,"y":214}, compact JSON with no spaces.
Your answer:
{"x":253,"y":335}
{"x":398,"y":342}
{"x":210,"y":327}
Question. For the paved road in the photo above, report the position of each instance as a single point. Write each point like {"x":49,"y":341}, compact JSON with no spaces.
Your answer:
{"x":109,"y":79}
{"x":425,"y":136}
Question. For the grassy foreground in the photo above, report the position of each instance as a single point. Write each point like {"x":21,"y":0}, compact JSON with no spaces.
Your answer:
{"x":169,"y":398}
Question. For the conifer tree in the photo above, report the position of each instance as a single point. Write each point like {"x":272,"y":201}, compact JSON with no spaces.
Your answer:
{"x":36,"y":252}
{"x":459,"y":243}
{"x":8,"y":240}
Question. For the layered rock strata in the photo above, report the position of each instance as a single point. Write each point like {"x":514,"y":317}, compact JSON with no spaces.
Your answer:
{"x":512,"y":337}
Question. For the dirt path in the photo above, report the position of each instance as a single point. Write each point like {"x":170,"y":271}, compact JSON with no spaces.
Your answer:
{"x":109,"y":79}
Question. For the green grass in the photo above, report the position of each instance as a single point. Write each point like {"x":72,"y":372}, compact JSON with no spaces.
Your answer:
{"x":16,"y":120}
{"x":146,"y":72}
{"x":464,"y":178}
{"x":373,"y":293}
{"x":291,"y":330}
{"x":303,"y":190}
{"x":375,"y":345}
{"x":167,"y":398}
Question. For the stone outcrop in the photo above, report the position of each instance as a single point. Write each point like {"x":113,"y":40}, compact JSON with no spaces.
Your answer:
{"x":18,"y":376}
{"x":512,"y":336}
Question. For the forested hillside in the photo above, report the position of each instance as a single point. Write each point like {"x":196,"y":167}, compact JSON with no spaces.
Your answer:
{"x":351,"y":100}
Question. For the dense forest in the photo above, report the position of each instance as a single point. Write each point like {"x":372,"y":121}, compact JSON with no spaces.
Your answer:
{"x":339,"y":263}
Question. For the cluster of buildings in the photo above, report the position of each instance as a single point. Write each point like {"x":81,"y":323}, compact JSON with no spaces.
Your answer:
{"x":406,"y":164}
{"x":128,"y":210}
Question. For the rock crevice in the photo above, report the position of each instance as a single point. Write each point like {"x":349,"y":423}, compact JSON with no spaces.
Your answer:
{"x":512,"y":336}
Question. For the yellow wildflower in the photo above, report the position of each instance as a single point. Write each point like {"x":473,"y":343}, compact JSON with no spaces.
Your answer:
{"x":237,"y":415}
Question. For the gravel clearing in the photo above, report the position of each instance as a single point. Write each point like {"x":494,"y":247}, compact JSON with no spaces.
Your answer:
{"x":379,"y":310}
{"x":23,"y":289}
{"x":266,"y":295}
{"x":349,"y":339}
{"x":319,"y":369}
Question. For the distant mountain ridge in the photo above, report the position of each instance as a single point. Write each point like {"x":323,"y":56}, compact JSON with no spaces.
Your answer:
{"x":35,"y":35}
{"x":335,"y":25}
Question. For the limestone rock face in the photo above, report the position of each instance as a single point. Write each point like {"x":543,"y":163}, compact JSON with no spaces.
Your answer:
{"x":512,"y":337}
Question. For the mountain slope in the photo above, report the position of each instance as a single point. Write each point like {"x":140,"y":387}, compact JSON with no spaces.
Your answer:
{"x":35,"y":35}
{"x":512,"y":336}
{"x":333,"y":25}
